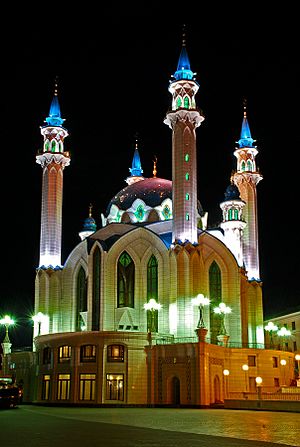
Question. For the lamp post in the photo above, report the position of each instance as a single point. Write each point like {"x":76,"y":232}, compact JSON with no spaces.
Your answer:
{"x":152,"y":306}
{"x":38,"y":318}
{"x":226,"y":374}
{"x":6,"y":344}
{"x":283,"y":332}
{"x":283,"y":363}
{"x":246,"y":368}
{"x":222,"y":310}
{"x":258,"y":381}
{"x":200,"y":301}
{"x":271,"y":327}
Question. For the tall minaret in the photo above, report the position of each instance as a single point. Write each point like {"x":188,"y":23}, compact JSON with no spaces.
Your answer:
{"x":53,"y":160}
{"x":183,"y":119}
{"x":246,"y":178}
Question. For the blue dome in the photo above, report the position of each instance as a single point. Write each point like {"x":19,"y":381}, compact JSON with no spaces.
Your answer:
{"x":232,"y":193}
{"x":89,"y":224}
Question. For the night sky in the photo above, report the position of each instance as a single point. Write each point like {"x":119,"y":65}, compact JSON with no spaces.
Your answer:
{"x":113,"y":76}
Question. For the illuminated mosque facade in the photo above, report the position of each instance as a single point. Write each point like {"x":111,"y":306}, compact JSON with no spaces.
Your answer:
{"x":154,"y":307}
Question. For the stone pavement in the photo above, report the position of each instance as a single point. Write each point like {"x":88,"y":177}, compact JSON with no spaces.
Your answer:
{"x":272,"y":427}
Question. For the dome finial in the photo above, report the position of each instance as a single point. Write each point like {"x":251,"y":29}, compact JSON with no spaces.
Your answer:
{"x":245,"y":107}
{"x":90,"y":210}
{"x":56,"y":86}
{"x":183,"y":35}
{"x":154,"y":166}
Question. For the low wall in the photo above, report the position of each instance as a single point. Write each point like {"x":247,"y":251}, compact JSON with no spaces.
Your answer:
{"x":267,"y":405}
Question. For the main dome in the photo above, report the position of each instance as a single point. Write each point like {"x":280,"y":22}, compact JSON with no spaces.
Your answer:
{"x":149,"y":199}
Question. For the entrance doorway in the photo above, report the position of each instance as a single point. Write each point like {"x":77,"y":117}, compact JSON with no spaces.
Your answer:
{"x":175,"y":388}
{"x":217,"y":390}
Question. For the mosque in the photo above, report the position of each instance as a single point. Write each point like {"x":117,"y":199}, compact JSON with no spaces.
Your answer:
{"x":154,"y":307}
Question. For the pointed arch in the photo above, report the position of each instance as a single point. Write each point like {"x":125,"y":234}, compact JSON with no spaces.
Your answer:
{"x":215,"y":282}
{"x":125,"y":280}
{"x":249,"y":165}
{"x":215,"y":294}
{"x":186,"y":102}
{"x":81,"y":297}
{"x":96,"y":289}
{"x":53,"y":145}
{"x":152,"y":291}
{"x":178,"y":102}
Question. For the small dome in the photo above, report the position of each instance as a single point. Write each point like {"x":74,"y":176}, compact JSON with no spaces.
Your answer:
{"x":232,"y":192}
{"x":89,"y":224}
{"x":153,"y":191}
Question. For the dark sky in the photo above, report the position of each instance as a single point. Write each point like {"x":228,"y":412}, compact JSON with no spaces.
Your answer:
{"x":113,"y":76}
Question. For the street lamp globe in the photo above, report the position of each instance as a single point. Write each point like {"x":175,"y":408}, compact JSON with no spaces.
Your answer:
{"x":7,"y":321}
{"x":258,"y":380}
{"x":222,"y":310}
{"x":6,"y":344}
{"x":152,"y":306}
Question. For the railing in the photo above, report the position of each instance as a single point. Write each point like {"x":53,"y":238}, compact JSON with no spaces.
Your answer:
{"x":171,"y":340}
{"x":288,"y":393}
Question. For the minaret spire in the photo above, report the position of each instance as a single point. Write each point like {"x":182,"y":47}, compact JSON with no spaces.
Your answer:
{"x":136,"y":167}
{"x":53,"y":159}
{"x":246,"y":178}
{"x":183,"y":119}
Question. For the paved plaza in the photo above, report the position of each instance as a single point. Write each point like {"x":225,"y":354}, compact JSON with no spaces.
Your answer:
{"x":151,"y":426}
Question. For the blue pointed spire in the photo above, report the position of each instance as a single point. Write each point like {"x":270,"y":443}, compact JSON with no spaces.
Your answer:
{"x":183,"y":67}
{"x":136,"y":168}
{"x":54,"y":118}
{"x":245,"y":138}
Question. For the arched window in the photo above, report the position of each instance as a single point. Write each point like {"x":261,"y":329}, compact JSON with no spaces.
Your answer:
{"x":187,"y":176}
{"x":236,"y":214}
{"x":249,"y":165}
{"x":243,"y":166}
{"x":186,"y":157}
{"x":140,"y":213}
{"x":215,"y":294}
{"x":230,"y":214}
{"x":186,"y":102}
{"x":166,"y":212}
{"x":125,"y":281}
{"x":53,"y":146}
{"x":152,"y":291}
{"x":178,"y":102}
{"x":152,"y":278}
{"x":215,"y":283}
{"x":187,"y":196}
{"x":96,"y":289}
{"x":81,"y":298}
{"x":47,"y":146}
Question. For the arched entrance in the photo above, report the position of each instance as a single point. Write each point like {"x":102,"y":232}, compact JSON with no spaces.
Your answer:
{"x":175,"y":391}
{"x":217,"y":390}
